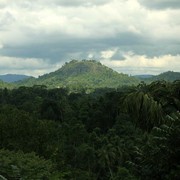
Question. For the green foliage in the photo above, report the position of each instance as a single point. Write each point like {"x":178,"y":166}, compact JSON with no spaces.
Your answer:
{"x":122,"y":133}
{"x":17,"y":165}
{"x":169,"y":76}
{"x":159,"y":157}
{"x":78,"y":75}
{"x":124,"y":174}
{"x":6,"y":85}
{"x":145,"y":111}
{"x":20,"y":131}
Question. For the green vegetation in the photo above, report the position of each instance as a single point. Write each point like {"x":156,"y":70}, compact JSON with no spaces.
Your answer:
{"x":6,"y":85}
{"x":169,"y":76}
{"x":127,"y":133}
{"x":17,"y":165}
{"x":86,"y":75}
{"x":77,"y":75}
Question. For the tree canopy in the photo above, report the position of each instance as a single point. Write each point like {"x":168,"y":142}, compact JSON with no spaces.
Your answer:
{"x":121,"y":133}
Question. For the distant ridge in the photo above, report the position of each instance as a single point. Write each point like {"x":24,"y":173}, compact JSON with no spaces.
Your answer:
{"x":9,"y":78}
{"x":144,"y":76}
{"x":166,"y":76}
{"x":82,"y":74}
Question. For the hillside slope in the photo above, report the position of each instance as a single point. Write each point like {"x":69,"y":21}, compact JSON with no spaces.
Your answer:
{"x":82,"y":74}
{"x":5,"y":85}
{"x":166,"y":76}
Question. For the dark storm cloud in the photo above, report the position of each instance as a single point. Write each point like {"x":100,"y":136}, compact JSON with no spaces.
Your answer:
{"x":69,"y":48}
{"x":161,"y":4}
{"x":62,"y":48}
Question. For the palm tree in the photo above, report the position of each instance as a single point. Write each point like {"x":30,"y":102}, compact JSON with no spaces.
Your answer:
{"x":159,"y":157}
{"x":145,"y":111}
{"x":106,"y":157}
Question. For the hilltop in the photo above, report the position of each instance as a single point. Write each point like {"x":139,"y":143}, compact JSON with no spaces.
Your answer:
{"x":87,"y":74}
{"x":82,"y":74}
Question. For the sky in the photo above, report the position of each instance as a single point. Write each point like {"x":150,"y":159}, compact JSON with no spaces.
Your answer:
{"x":130,"y":36}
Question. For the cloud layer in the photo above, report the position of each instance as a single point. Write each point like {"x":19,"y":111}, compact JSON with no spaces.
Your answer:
{"x":161,"y":4}
{"x":54,"y":31}
{"x":28,"y":66}
{"x":136,"y":64}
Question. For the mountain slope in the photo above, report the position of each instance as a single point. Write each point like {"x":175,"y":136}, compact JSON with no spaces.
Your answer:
{"x":167,"y":76}
{"x":5,"y":85}
{"x":82,"y":74}
{"x":13,"y":77}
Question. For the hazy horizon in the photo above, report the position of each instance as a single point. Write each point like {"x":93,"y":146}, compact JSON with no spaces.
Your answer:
{"x":36,"y":76}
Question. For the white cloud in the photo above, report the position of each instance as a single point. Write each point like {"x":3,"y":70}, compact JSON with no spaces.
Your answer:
{"x":138,"y":64}
{"x":27,"y":22}
{"x":1,"y":45}
{"x":50,"y":3}
{"x":108,"y":53}
{"x":87,"y":29}
{"x":94,"y":21}
{"x":90,"y":55}
{"x":28,"y":66}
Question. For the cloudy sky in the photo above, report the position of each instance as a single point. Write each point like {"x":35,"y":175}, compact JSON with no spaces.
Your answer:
{"x":130,"y":36}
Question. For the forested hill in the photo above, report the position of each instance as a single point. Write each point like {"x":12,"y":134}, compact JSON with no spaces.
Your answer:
{"x":13,"y":77}
{"x":82,"y":74}
{"x":166,"y":76}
